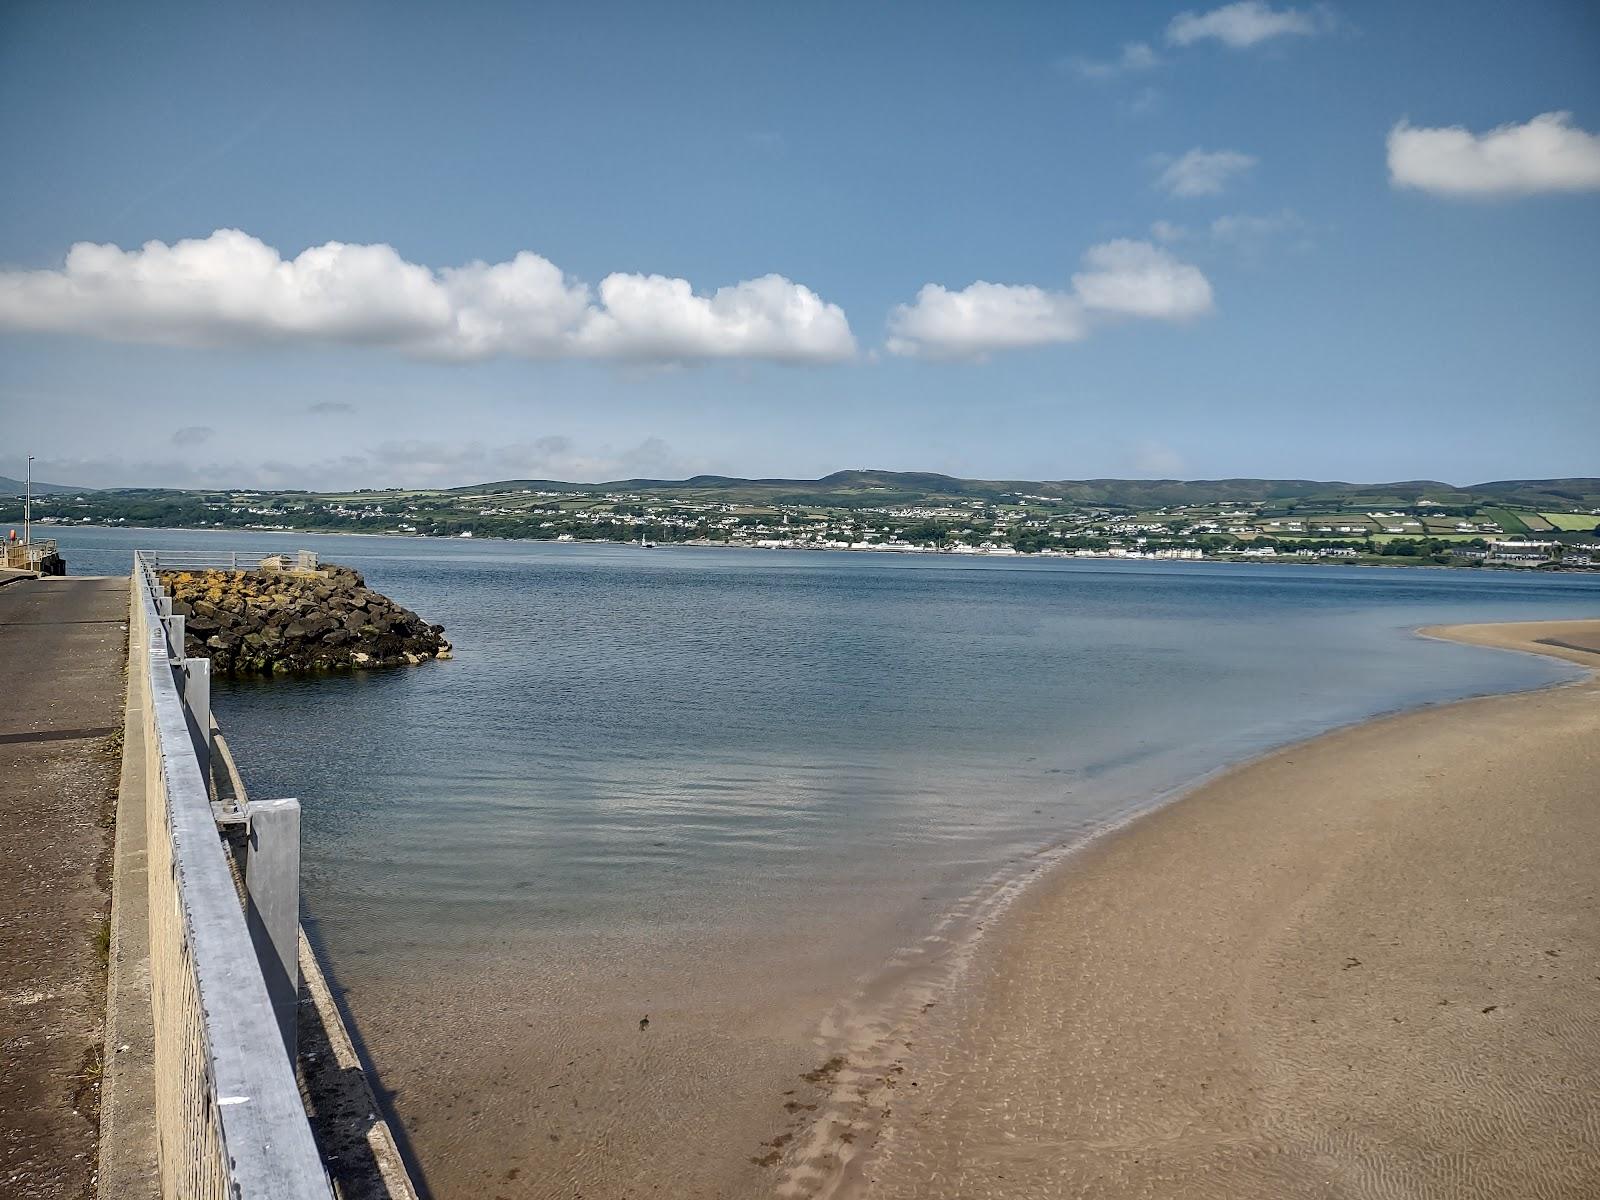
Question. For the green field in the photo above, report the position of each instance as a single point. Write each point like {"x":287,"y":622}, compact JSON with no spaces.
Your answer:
{"x":1381,"y":538}
{"x":1508,"y":520}
{"x":1581,"y":522}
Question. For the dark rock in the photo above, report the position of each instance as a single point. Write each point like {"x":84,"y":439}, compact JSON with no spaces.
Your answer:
{"x":279,"y":623}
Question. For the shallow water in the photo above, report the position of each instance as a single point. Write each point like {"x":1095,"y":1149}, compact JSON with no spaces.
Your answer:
{"x":718,"y":787}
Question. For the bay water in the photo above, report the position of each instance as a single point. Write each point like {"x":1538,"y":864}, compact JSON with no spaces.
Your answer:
{"x":592,"y":888}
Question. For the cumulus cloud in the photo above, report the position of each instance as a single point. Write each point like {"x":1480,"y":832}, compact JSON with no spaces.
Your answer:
{"x":1136,"y":279}
{"x":1242,"y":25}
{"x":1547,"y":154}
{"x":1121,"y":279}
{"x":982,"y":317}
{"x":1202,"y":172}
{"x":1135,"y":56}
{"x":1238,"y":26}
{"x":232,"y":289}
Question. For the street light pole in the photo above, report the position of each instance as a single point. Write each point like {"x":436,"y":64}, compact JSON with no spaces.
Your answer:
{"x":27,"y":508}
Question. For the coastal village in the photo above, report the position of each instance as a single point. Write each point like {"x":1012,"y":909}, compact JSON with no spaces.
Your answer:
{"x":1460,"y":531}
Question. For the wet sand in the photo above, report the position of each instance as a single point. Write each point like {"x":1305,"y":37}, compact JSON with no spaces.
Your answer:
{"x":1367,"y":965}
{"x":559,"y":1091}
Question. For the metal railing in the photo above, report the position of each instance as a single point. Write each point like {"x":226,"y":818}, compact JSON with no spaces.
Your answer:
{"x":196,"y":560}
{"x":230,"y":1122}
{"x":304,"y":561}
{"x":26,"y":556}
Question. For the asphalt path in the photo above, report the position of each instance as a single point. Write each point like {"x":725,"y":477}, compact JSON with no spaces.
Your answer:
{"x":63,"y":647}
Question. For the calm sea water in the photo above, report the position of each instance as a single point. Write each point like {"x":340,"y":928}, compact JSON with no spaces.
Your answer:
{"x":637,"y":758}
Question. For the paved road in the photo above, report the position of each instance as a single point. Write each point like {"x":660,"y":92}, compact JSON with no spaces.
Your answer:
{"x":63,"y":645}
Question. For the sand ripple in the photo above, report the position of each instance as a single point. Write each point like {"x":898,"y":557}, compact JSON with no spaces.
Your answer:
{"x":1366,"y":966}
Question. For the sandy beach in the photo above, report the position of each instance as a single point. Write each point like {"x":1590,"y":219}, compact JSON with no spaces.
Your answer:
{"x":1367,"y":965}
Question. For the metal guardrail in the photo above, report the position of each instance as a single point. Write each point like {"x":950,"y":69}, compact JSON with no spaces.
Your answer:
{"x":26,"y":556}
{"x":230,"y":1122}
{"x":228,"y":560}
{"x":195,"y":560}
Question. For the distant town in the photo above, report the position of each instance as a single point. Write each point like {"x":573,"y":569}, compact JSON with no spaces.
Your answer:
{"x":1551,"y":524}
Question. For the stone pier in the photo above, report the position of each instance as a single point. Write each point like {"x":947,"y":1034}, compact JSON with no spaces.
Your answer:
{"x":63,"y":643}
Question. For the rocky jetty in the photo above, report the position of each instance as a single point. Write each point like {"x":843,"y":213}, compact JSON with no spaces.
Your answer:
{"x":279,"y":621}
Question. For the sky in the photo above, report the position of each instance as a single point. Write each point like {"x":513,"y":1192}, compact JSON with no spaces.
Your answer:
{"x":413,"y":244}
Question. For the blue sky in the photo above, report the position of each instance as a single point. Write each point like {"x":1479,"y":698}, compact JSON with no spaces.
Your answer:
{"x":1212,"y":254}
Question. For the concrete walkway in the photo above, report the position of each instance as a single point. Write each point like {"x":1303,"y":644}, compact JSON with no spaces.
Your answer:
{"x":62,"y":651}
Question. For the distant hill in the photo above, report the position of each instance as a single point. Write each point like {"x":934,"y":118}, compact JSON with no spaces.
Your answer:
{"x":17,"y":487}
{"x":874,"y":489}
{"x":846,"y":489}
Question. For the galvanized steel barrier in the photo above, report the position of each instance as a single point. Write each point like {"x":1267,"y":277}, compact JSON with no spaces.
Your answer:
{"x":230,"y":1123}
{"x":193,"y":560}
{"x":26,"y":556}
{"x":226,"y":560}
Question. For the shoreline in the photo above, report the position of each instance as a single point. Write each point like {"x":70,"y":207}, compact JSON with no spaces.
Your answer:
{"x":857,"y":1146}
{"x":1282,"y":560}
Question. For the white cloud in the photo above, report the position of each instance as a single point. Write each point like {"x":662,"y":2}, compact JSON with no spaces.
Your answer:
{"x":1246,"y":23}
{"x":1136,"y":279}
{"x":1168,"y":231}
{"x":1203,"y":172}
{"x":232,"y":289}
{"x":1135,"y":56}
{"x":982,"y":317}
{"x":1122,"y":279}
{"x":1548,"y":154}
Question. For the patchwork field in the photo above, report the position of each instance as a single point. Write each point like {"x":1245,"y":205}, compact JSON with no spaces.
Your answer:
{"x":1581,"y":522}
{"x":1509,"y":521}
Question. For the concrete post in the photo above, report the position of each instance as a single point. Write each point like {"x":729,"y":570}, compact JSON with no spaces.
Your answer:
{"x":174,"y":639}
{"x":272,"y":889}
{"x":197,"y":700}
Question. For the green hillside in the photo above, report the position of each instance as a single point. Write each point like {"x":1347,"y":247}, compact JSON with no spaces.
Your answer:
{"x":17,"y":487}
{"x":852,"y":489}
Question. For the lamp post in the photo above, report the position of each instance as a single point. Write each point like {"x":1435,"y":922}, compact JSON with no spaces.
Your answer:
{"x":27,"y":507}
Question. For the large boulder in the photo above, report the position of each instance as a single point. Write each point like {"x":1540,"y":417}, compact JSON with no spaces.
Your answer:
{"x":278,"y":622}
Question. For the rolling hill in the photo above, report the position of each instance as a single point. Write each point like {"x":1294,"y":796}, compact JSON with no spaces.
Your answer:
{"x":16,"y":487}
{"x":849,"y":489}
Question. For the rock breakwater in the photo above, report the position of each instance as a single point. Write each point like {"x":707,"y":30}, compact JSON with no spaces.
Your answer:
{"x":282,"y":622}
